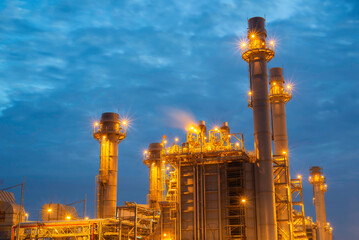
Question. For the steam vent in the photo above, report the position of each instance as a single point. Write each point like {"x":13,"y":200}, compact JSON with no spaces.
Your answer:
{"x":209,"y":187}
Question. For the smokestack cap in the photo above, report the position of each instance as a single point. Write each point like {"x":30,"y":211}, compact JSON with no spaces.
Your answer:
{"x":276,"y":75}
{"x":225,"y":124}
{"x":110,"y":117}
{"x":316,"y":170}
{"x":201,"y":123}
{"x":257,"y":25}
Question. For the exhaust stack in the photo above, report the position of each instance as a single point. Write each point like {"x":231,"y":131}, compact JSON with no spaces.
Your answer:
{"x":109,"y":134}
{"x":278,"y":98}
{"x":257,"y":54}
{"x":156,"y":168}
{"x":317,"y":179}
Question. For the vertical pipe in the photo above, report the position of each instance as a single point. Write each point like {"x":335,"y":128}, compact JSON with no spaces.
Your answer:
{"x":257,"y":56}
{"x":219,"y":203}
{"x":109,"y":135}
{"x":135,"y":232}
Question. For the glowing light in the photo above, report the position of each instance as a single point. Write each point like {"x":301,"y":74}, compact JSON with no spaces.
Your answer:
{"x":165,"y":141}
{"x":124,"y":123}
{"x":96,"y":124}
{"x":68,"y":217}
{"x":274,"y":83}
{"x":284,"y":152}
{"x":26,"y":214}
{"x":86,"y":218}
{"x":299,"y":176}
{"x":289,"y":86}
{"x":163,"y":161}
{"x":145,"y":152}
{"x":252,"y":36}
{"x":216,"y":129}
{"x":271,"y":42}
{"x":164,"y":234}
{"x":249,"y":93}
{"x":243,"y":44}
{"x":176,"y":139}
{"x":49,"y":210}
{"x":191,"y":127}
{"x":243,"y":200}
{"x":104,"y":137}
{"x":237,"y":144}
{"x":168,"y":168}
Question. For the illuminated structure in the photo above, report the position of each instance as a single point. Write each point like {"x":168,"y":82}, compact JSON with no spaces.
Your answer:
{"x":157,"y":175}
{"x":208,"y":187}
{"x":257,"y":54}
{"x":109,"y":132}
{"x":317,"y":179}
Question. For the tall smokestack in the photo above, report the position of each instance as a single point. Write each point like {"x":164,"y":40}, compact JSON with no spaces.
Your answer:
{"x":257,"y":54}
{"x":156,"y":177}
{"x":278,"y":98}
{"x":109,"y":133}
{"x":317,"y":179}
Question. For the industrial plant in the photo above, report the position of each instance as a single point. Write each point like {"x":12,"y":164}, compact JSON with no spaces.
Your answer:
{"x":209,"y":187}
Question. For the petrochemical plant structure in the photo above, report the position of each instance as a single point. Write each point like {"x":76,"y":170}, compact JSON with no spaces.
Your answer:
{"x":209,"y":187}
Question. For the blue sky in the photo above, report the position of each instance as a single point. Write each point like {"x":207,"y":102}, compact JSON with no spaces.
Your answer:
{"x":63,"y":63}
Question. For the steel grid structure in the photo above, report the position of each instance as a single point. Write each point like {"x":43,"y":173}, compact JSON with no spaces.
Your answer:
{"x":283,"y":198}
{"x":299,"y":227}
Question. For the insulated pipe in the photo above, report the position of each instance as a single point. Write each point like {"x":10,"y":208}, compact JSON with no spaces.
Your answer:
{"x":317,"y":179}
{"x":155,"y":188}
{"x":109,"y":135}
{"x":257,"y":55}
{"x":278,"y":98}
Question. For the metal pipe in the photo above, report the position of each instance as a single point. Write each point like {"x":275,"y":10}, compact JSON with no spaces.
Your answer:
{"x":257,"y":55}
{"x":109,"y":135}
{"x":317,"y":179}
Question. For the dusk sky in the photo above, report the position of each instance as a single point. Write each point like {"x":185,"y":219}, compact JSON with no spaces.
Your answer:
{"x":63,"y":63}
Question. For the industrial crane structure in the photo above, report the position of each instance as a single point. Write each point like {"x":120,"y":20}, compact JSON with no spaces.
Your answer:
{"x":208,"y":187}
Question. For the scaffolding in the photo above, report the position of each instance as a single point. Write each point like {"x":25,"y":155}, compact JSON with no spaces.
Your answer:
{"x":283,"y":200}
{"x":299,"y":227}
{"x":136,"y":221}
{"x":235,"y":205}
{"x":95,"y":229}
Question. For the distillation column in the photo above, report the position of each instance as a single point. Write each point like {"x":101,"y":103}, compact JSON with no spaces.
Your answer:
{"x":317,"y":179}
{"x":109,"y":133}
{"x":278,"y":98}
{"x":156,"y":168}
{"x":257,"y":55}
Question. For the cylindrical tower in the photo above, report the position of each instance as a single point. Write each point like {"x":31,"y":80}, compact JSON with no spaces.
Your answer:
{"x":156,"y":177}
{"x":257,"y":54}
{"x":109,"y":133}
{"x":278,"y":97}
{"x":317,"y":179}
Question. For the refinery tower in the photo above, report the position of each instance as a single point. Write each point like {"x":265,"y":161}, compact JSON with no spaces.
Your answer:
{"x":209,"y":187}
